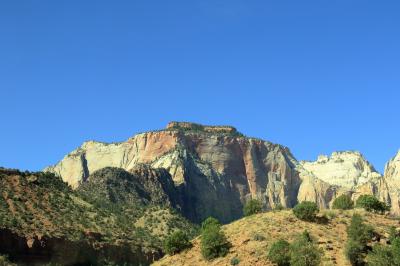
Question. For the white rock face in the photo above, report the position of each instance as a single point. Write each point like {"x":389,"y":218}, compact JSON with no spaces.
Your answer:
{"x":345,"y":169}
{"x":389,"y":189}
{"x":392,"y":168}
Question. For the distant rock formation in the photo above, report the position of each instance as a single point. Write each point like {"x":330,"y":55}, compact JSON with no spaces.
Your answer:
{"x":345,"y":169}
{"x":216,"y":169}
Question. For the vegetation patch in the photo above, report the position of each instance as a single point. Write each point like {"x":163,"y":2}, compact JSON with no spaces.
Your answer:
{"x":251,"y":207}
{"x":306,"y":211}
{"x":343,"y":202}
{"x":372,"y":204}
{"x":214,"y":243}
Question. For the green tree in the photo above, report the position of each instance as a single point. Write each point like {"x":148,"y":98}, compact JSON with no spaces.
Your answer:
{"x":279,"y":253}
{"x":251,"y":207}
{"x":176,"y":242}
{"x":213,"y":242}
{"x":371,"y":204}
{"x":304,"y":252}
{"x":306,"y":211}
{"x":343,"y":202}
{"x":209,"y":222}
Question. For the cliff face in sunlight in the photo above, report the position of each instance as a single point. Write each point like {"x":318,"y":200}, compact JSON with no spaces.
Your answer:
{"x":215,"y":169}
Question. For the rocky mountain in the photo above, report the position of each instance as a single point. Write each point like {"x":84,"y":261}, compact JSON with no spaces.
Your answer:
{"x":215,"y":170}
{"x":345,"y":169}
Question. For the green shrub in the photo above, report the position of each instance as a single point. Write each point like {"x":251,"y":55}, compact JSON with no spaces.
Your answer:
{"x":279,"y":253}
{"x":358,"y":231}
{"x":306,"y":211}
{"x":343,"y":202}
{"x":251,"y":207}
{"x":395,"y":246}
{"x":393,"y":234}
{"x":279,"y":207}
{"x":258,"y":237}
{"x":176,"y":242}
{"x":304,"y":252}
{"x":359,"y":234}
{"x":235,"y":261}
{"x":213,"y":242}
{"x":354,"y":252}
{"x":371,"y":203}
{"x":209,"y":222}
{"x":381,"y":256}
{"x":330,"y":214}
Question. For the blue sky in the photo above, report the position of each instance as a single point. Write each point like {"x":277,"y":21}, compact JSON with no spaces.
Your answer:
{"x":316,"y":76}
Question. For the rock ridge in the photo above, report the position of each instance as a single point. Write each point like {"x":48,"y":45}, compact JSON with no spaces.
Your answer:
{"x":215,"y":170}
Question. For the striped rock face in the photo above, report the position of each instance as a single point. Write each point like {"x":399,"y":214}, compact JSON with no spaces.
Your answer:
{"x":216,"y":169}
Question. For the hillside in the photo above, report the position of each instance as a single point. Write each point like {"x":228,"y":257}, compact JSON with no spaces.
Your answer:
{"x":41,"y":217}
{"x":252,"y":236}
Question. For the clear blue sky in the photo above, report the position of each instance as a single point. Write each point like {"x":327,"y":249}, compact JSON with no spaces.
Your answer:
{"x":316,"y":76}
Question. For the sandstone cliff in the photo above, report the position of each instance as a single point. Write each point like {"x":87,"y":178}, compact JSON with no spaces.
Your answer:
{"x":345,"y":169}
{"x":389,"y":188}
{"x":215,"y":169}
{"x":328,"y":177}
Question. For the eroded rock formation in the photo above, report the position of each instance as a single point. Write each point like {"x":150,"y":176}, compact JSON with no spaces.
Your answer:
{"x":215,"y":169}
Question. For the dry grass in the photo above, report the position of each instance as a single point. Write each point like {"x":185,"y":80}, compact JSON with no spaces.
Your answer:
{"x":252,"y":236}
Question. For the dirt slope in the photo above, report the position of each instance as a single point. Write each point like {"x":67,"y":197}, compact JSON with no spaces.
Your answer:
{"x":245,"y":235}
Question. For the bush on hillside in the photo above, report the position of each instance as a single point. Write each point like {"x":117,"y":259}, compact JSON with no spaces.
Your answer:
{"x":385,"y":255}
{"x":371,"y":204}
{"x":306,"y":211}
{"x":235,"y":261}
{"x":343,"y":202}
{"x":354,"y":252}
{"x":279,"y":253}
{"x":213,"y":241}
{"x":251,"y":207}
{"x":358,"y":234}
{"x":380,"y":256}
{"x":209,"y":222}
{"x":176,"y":242}
{"x":304,"y":252}
{"x":395,"y":246}
{"x":359,"y":231}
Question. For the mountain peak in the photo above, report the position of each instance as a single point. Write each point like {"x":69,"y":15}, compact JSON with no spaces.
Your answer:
{"x":343,"y":168}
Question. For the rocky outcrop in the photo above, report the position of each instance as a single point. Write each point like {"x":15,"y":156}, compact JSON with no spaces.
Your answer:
{"x":346,"y":172}
{"x":215,"y":170}
{"x":344,"y":169}
{"x":141,"y":186}
{"x":389,"y":188}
